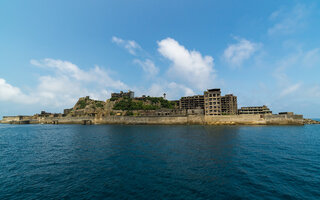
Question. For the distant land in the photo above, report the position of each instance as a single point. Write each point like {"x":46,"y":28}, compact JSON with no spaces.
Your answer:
{"x":211,"y":108}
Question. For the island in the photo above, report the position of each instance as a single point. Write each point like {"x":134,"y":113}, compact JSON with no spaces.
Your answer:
{"x":211,"y":108}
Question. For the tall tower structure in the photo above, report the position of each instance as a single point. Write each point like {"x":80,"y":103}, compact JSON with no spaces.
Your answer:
{"x":229,"y":105}
{"x":212,"y":101}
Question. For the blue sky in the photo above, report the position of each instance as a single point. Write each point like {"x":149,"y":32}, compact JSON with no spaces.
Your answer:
{"x":53,"y":52}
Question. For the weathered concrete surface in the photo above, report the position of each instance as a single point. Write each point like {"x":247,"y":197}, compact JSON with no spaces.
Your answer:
{"x":235,"y":120}
{"x":141,"y":120}
{"x":254,"y":119}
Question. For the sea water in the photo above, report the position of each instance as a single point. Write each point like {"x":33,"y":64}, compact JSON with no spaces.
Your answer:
{"x":159,"y":162}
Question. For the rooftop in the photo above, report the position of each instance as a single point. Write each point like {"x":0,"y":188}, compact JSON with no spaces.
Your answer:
{"x":214,"y":90}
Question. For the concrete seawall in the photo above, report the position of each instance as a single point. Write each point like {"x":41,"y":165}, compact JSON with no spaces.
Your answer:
{"x":166,"y":120}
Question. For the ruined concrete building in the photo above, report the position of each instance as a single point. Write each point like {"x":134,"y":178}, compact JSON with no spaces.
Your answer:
{"x":212,"y":99}
{"x":192,"y":102}
{"x":212,"y":102}
{"x":229,"y":105}
{"x":255,"y":110}
{"x":142,"y":98}
{"x":129,"y":94}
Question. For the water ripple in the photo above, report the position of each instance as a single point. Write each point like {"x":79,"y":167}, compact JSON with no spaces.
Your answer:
{"x":159,"y":162}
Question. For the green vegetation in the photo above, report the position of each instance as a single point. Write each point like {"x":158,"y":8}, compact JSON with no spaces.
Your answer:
{"x":129,"y":113}
{"x":99,"y":104}
{"x":82,"y":104}
{"x":128,"y":104}
{"x":163,"y":102}
{"x":114,"y":98}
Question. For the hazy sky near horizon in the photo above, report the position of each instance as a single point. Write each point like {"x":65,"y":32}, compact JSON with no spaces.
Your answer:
{"x":265,"y":52}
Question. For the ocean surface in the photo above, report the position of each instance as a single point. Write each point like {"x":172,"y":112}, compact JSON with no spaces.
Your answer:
{"x":159,"y":162}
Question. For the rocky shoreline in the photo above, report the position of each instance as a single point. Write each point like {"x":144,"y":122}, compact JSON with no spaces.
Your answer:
{"x":310,"y":121}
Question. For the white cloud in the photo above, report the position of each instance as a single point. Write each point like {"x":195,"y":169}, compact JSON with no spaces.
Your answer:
{"x":188,"y":67}
{"x":174,"y":87}
{"x":291,"y":89}
{"x":62,"y":87}
{"x":311,"y":58}
{"x":173,"y":90}
{"x":12,"y":94}
{"x":130,"y":45}
{"x":236,"y":54}
{"x":288,"y":21}
{"x":117,"y":40}
{"x":297,"y":62}
{"x":148,"y":67}
{"x":65,"y":68}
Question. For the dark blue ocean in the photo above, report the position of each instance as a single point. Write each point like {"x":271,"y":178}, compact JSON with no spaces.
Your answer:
{"x":159,"y":162}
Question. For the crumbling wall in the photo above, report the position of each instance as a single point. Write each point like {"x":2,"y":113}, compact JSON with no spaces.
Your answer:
{"x":250,"y":119}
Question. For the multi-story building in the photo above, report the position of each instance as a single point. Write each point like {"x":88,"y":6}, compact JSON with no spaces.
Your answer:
{"x":255,"y":110}
{"x":192,"y":102}
{"x":212,"y":100}
{"x":129,"y":94}
{"x":229,"y":105}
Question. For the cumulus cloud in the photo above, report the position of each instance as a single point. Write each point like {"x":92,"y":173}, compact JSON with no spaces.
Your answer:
{"x":188,"y":66}
{"x":236,"y":54}
{"x":66,"y":68}
{"x":64,"y":86}
{"x":288,"y":21}
{"x":172,"y":89}
{"x":148,"y":67}
{"x":130,"y":45}
{"x":12,"y":94}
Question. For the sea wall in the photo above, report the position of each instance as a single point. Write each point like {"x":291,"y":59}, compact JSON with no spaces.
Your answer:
{"x":16,"y":119}
{"x":10,"y":118}
{"x":142,"y":120}
{"x":65,"y":120}
{"x":254,"y":119}
{"x":236,"y":119}
{"x":284,"y":119}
